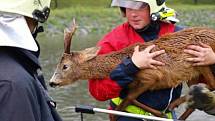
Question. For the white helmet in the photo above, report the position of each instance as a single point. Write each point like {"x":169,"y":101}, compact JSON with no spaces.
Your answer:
{"x":36,"y":9}
{"x":155,"y":6}
{"x":14,"y":30}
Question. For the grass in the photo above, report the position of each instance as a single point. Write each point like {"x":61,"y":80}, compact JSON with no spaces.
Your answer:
{"x":97,"y":18}
{"x":106,"y":3}
{"x":89,"y":19}
{"x":72,"y":3}
{"x":192,"y":15}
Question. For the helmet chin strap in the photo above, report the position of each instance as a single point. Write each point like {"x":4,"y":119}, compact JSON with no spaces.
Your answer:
{"x":37,"y":30}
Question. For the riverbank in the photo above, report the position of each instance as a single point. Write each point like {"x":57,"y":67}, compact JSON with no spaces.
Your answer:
{"x":99,"y":20}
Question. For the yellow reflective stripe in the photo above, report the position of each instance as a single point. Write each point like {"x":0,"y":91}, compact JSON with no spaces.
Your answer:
{"x":136,"y":110}
{"x":167,"y":13}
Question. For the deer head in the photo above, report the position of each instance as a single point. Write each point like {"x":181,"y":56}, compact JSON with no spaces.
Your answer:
{"x":68,"y":69}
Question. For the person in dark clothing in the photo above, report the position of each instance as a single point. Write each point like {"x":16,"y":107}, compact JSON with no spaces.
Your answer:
{"x":23,"y":93}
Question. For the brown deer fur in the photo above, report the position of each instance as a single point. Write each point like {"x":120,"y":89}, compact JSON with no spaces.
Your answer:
{"x":86,"y":64}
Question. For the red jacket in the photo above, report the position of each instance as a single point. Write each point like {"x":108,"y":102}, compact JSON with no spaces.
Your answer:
{"x":120,"y":37}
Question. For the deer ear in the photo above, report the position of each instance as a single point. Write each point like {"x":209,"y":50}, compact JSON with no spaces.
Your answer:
{"x":90,"y":53}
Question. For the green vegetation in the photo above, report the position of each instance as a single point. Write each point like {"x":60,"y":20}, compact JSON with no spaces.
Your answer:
{"x":192,"y":15}
{"x":89,"y":19}
{"x":72,"y":3}
{"x":106,"y":3}
{"x":191,"y":2}
{"x":96,"y":17}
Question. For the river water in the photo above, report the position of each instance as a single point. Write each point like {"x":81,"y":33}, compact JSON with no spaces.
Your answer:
{"x":77,"y":94}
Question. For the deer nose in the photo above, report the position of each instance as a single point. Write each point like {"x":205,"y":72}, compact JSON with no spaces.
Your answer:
{"x":52,"y":84}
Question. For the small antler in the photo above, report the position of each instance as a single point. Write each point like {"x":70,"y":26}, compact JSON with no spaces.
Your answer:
{"x":68,"y":33}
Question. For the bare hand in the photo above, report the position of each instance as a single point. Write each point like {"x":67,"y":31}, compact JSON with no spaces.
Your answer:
{"x":144,"y":59}
{"x":203,"y":54}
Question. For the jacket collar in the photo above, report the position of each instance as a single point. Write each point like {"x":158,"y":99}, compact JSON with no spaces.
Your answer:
{"x":150,"y":32}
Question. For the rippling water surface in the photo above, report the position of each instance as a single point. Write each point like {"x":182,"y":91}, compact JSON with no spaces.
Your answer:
{"x":77,"y":94}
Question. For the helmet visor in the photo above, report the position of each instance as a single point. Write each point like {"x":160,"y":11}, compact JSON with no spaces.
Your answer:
{"x":128,"y":4}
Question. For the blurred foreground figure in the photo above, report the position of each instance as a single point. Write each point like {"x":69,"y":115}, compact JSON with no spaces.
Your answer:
{"x":202,"y":98}
{"x":23,"y":92}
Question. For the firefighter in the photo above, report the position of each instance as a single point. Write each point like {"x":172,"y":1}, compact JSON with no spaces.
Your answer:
{"x":147,"y":20}
{"x":23,"y":93}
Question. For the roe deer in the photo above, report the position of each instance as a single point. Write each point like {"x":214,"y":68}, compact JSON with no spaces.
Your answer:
{"x":86,"y":64}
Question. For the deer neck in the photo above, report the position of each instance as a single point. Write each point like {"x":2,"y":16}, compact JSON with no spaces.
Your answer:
{"x":101,"y":66}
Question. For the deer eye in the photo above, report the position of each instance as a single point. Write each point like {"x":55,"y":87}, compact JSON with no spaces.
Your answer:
{"x":65,"y":67}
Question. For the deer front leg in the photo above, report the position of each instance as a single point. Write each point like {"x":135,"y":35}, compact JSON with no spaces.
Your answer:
{"x":186,"y":114}
{"x":149,"y":109}
{"x":132,"y":95}
{"x":177,"y":102}
{"x":131,"y":98}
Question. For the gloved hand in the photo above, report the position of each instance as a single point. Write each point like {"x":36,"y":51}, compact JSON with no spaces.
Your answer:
{"x":201,"y":98}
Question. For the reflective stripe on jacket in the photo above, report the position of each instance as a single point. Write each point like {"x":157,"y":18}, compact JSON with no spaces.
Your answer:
{"x":136,"y":110}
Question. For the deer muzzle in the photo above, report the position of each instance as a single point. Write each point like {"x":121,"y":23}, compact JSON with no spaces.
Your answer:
{"x":54,"y":82}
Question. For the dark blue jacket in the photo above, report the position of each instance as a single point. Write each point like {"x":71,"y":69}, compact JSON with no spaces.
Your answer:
{"x":23,"y":95}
